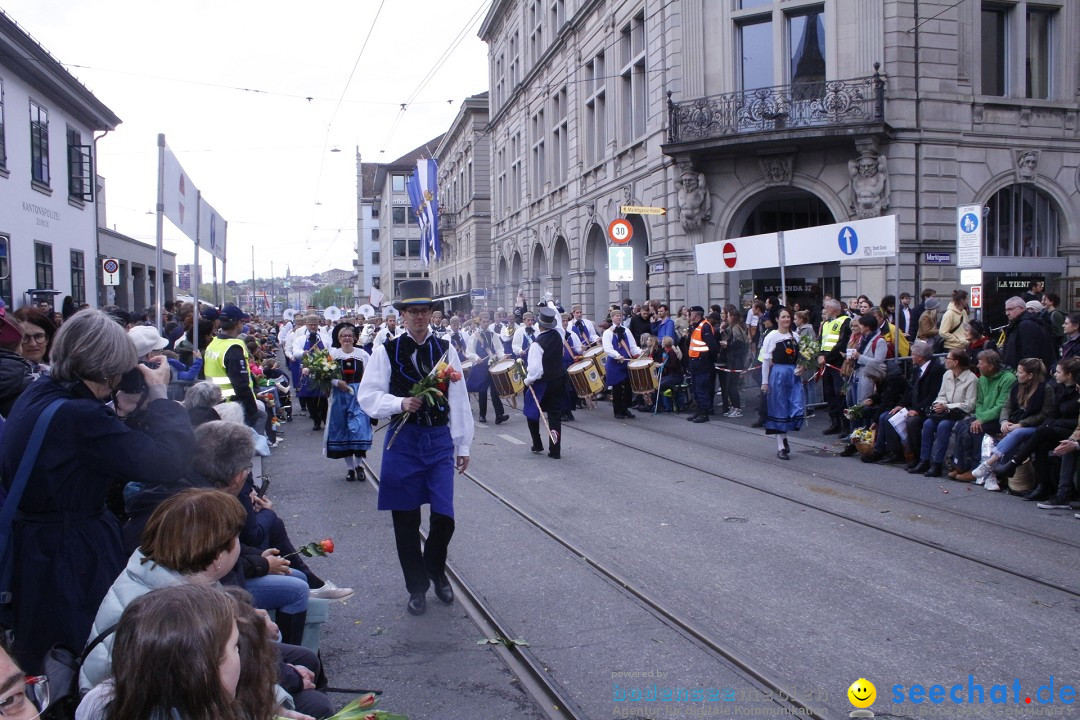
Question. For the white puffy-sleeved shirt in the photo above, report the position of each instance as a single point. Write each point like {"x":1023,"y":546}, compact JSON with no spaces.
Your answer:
{"x":300,"y":336}
{"x":590,"y":328}
{"x":609,"y":344}
{"x":520,"y":334}
{"x":377,"y":402}
{"x":477,"y":339}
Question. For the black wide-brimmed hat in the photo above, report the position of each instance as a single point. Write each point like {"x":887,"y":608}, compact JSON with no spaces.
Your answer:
{"x":413,"y":293}
{"x":334,"y":342}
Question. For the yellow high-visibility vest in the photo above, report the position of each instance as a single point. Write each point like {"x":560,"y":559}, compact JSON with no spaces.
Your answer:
{"x":214,"y":364}
{"x":830,"y":332}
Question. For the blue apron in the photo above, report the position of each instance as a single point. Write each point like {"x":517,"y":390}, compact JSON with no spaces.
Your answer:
{"x":418,"y":469}
{"x":348,"y":429}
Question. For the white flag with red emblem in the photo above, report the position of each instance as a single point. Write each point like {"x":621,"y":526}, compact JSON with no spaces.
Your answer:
{"x":180,"y":196}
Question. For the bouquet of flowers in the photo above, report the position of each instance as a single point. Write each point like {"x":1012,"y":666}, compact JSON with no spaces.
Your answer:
{"x":321,"y":369}
{"x":432,"y":387}
{"x":862,"y":436}
{"x":809,"y":349}
{"x":855,"y":412}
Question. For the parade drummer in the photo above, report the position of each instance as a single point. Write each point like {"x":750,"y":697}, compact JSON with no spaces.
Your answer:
{"x":459,"y":339}
{"x":546,"y":380}
{"x":525,"y":336}
{"x":572,"y":350}
{"x":484,"y":349}
{"x":348,"y":429}
{"x":619,"y":346}
{"x":582,"y":327}
{"x":306,"y":342}
{"x":418,"y":466}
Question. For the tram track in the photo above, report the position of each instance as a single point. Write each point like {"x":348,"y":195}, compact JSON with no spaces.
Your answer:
{"x":866,"y":488}
{"x":548,"y":693}
{"x":938,"y":547}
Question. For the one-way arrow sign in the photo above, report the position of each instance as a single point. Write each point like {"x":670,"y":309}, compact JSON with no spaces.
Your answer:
{"x":621,"y":264}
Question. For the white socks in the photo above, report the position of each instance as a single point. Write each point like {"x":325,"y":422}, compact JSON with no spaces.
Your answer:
{"x":351,"y":462}
{"x":780,"y":437}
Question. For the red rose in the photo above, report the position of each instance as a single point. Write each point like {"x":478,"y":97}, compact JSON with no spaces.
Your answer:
{"x":327,"y":545}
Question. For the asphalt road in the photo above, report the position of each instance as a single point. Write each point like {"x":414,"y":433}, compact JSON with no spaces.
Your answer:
{"x":815,"y":572}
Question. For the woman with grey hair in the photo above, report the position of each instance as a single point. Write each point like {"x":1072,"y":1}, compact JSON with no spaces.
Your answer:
{"x":66,"y":543}
{"x":200,"y":400}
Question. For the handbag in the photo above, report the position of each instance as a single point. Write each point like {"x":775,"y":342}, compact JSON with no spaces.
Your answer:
{"x":62,"y":667}
{"x":11,"y":504}
{"x":954,"y":414}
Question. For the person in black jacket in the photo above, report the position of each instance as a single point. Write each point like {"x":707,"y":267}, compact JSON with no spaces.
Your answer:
{"x":1027,"y":335}
{"x":700,"y":353}
{"x":69,"y":549}
{"x":889,"y":395}
{"x":929,"y":374}
{"x":1060,"y":423}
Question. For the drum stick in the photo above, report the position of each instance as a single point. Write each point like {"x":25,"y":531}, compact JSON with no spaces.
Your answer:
{"x":551,"y":433}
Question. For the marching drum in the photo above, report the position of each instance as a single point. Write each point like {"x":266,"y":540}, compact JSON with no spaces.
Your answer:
{"x":507,"y":378}
{"x":585,"y":378}
{"x":466,"y":366}
{"x":642,"y":375}
{"x":597,"y":356}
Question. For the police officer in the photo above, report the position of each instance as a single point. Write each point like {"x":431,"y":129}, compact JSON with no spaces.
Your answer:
{"x":225,"y":364}
{"x":700,"y":352}
{"x":835,"y":333}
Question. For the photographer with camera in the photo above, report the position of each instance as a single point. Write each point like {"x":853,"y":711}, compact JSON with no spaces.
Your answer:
{"x":65,"y":548}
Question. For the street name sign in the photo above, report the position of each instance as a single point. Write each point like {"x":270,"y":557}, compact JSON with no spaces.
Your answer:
{"x":642,"y":210}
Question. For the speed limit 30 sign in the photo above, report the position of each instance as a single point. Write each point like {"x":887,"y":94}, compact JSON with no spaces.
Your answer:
{"x":620,"y":231}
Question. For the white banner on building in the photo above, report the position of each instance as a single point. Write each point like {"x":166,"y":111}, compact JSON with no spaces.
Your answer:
{"x":745,"y":253}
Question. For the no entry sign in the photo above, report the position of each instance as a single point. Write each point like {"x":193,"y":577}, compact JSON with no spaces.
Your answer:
{"x":730,"y":255}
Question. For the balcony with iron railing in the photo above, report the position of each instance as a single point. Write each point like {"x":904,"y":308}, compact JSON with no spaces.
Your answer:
{"x":787,"y":110}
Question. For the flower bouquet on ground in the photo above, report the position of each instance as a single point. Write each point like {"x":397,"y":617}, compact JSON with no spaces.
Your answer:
{"x":320,"y":369}
{"x":432,"y":387}
{"x":809,"y":349}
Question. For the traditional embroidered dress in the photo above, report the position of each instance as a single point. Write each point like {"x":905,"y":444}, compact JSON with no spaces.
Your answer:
{"x":348,"y":428}
{"x":785,"y":399}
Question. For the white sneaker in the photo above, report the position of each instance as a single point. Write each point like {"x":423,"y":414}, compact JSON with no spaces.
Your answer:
{"x":734,"y":413}
{"x":330,"y":591}
{"x":981,"y":472}
{"x":992,"y":483}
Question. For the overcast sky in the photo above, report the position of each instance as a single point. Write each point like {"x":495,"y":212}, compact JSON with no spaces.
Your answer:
{"x":262,"y":159}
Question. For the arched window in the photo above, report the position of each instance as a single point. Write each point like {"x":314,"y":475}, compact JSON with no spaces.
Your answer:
{"x":1021,"y":221}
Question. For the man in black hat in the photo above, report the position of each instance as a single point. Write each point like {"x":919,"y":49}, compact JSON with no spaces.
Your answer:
{"x":546,"y":380}
{"x":424,"y":443}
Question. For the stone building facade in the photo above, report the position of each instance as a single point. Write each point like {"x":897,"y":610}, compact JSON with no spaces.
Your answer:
{"x":749,"y":116}
{"x":464,"y":162}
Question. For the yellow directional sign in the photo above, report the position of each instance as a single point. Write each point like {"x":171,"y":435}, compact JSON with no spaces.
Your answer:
{"x":642,"y":210}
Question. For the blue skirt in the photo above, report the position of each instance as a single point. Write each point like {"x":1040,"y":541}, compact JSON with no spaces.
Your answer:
{"x":418,"y":469}
{"x":348,"y":429}
{"x":785,"y":401}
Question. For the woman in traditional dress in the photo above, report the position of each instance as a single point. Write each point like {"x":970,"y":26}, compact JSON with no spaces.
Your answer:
{"x":782,"y":386}
{"x":348,"y":429}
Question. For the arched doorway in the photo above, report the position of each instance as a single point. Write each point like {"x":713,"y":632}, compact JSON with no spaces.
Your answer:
{"x":537,"y":272}
{"x":596,"y":290}
{"x":510,"y":291}
{"x":560,"y":268}
{"x":786,"y":209}
{"x":638,"y":288}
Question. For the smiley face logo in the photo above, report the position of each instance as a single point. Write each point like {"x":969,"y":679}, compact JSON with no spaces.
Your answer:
{"x":862,"y":693}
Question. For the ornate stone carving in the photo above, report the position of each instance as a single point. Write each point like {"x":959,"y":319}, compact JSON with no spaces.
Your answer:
{"x":777,"y":169}
{"x":1027,"y":165}
{"x":869,"y":184}
{"x":695,"y":203}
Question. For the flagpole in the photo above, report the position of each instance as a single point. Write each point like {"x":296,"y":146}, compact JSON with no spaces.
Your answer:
{"x":215,"y":279}
{"x":224,"y":256}
{"x":160,"y":259}
{"x":195,"y":271}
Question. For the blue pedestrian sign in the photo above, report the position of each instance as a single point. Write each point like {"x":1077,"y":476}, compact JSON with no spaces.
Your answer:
{"x":848,"y":240}
{"x":969,"y":223}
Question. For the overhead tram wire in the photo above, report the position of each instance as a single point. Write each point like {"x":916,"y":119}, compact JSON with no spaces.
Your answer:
{"x":430,"y":75}
{"x":341,"y":98}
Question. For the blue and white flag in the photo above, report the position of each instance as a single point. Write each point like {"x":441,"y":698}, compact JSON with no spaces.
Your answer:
{"x":416,"y":200}
{"x":426,"y":177}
